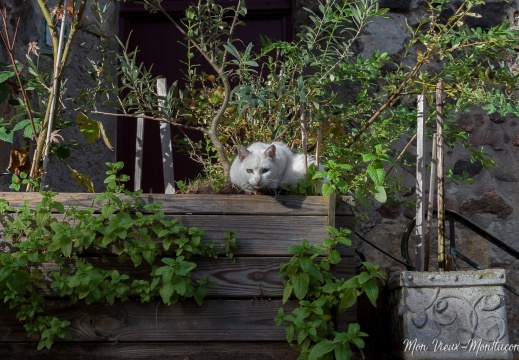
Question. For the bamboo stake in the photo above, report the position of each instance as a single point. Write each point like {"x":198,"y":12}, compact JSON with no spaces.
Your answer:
{"x":303,"y":135}
{"x":420,"y":193}
{"x":165,"y":140}
{"x":57,"y":70}
{"x":442,"y":258}
{"x":318,"y":148}
{"x":430,"y":206}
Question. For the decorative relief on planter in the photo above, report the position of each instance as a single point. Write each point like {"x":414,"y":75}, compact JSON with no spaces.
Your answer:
{"x":449,"y":315}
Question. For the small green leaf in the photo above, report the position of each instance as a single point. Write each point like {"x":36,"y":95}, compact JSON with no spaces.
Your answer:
{"x":66,"y":246}
{"x":82,"y":180}
{"x":380,"y":194}
{"x":6,"y":134}
{"x":287,"y":292}
{"x":330,"y":288}
{"x":92,"y":130}
{"x":377,"y":173}
{"x":6,"y":75}
{"x":320,"y":349}
{"x":371,"y":291}
{"x":342,"y":351}
{"x":231,"y":49}
{"x":166,"y":292}
{"x":348,"y":299}
{"x":306,"y":264}
{"x":363,"y":277}
{"x":301,"y":281}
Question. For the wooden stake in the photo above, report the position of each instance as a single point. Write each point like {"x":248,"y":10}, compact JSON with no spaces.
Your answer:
{"x":303,"y":135}
{"x":442,"y":258}
{"x":420,"y":193}
{"x":139,"y":152}
{"x":54,"y":93}
{"x":430,"y":206}
{"x":165,"y":139}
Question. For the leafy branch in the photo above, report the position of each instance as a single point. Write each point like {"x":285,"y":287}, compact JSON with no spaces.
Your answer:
{"x":310,"y":277}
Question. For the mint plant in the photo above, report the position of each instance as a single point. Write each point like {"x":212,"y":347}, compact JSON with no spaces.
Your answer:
{"x":310,"y":278}
{"x":116,"y":221}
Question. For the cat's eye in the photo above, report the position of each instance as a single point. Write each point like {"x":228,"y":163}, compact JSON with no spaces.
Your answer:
{"x":264,"y":171}
{"x":249,"y":171}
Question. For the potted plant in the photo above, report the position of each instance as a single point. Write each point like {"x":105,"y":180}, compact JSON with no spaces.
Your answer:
{"x":447,"y":314}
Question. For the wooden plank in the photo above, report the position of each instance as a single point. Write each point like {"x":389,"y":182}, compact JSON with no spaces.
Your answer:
{"x":158,"y":351}
{"x":262,"y":235}
{"x":343,"y":206}
{"x":242,"y":277}
{"x":199,"y":203}
{"x":226,"y":320}
{"x":259,"y":235}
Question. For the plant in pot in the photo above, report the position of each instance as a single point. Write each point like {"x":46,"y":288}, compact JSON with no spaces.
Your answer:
{"x":452,"y":314}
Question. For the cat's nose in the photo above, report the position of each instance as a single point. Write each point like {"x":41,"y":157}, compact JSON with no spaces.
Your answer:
{"x":258,"y":180}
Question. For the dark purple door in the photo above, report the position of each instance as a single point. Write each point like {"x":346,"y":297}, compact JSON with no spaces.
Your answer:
{"x":159,"y":44}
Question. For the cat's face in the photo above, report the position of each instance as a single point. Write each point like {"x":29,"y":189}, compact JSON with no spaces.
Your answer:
{"x":258,"y":169}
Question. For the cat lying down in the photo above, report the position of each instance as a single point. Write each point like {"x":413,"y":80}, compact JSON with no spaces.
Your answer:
{"x":264,"y":167}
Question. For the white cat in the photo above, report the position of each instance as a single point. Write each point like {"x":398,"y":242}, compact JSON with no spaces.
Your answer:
{"x":263,"y":167}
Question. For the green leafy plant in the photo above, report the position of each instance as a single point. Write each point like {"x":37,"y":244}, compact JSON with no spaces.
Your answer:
{"x":309,"y":277}
{"x":318,"y":94}
{"x":117,"y":221}
{"x":35,"y":86}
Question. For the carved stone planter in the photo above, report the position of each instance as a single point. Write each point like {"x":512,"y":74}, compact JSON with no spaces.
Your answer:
{"x":449,"y":315}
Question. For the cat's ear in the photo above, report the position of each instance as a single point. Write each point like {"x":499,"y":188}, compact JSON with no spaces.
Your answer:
{"x":242,"y":152}
{"x":271,"y":151}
